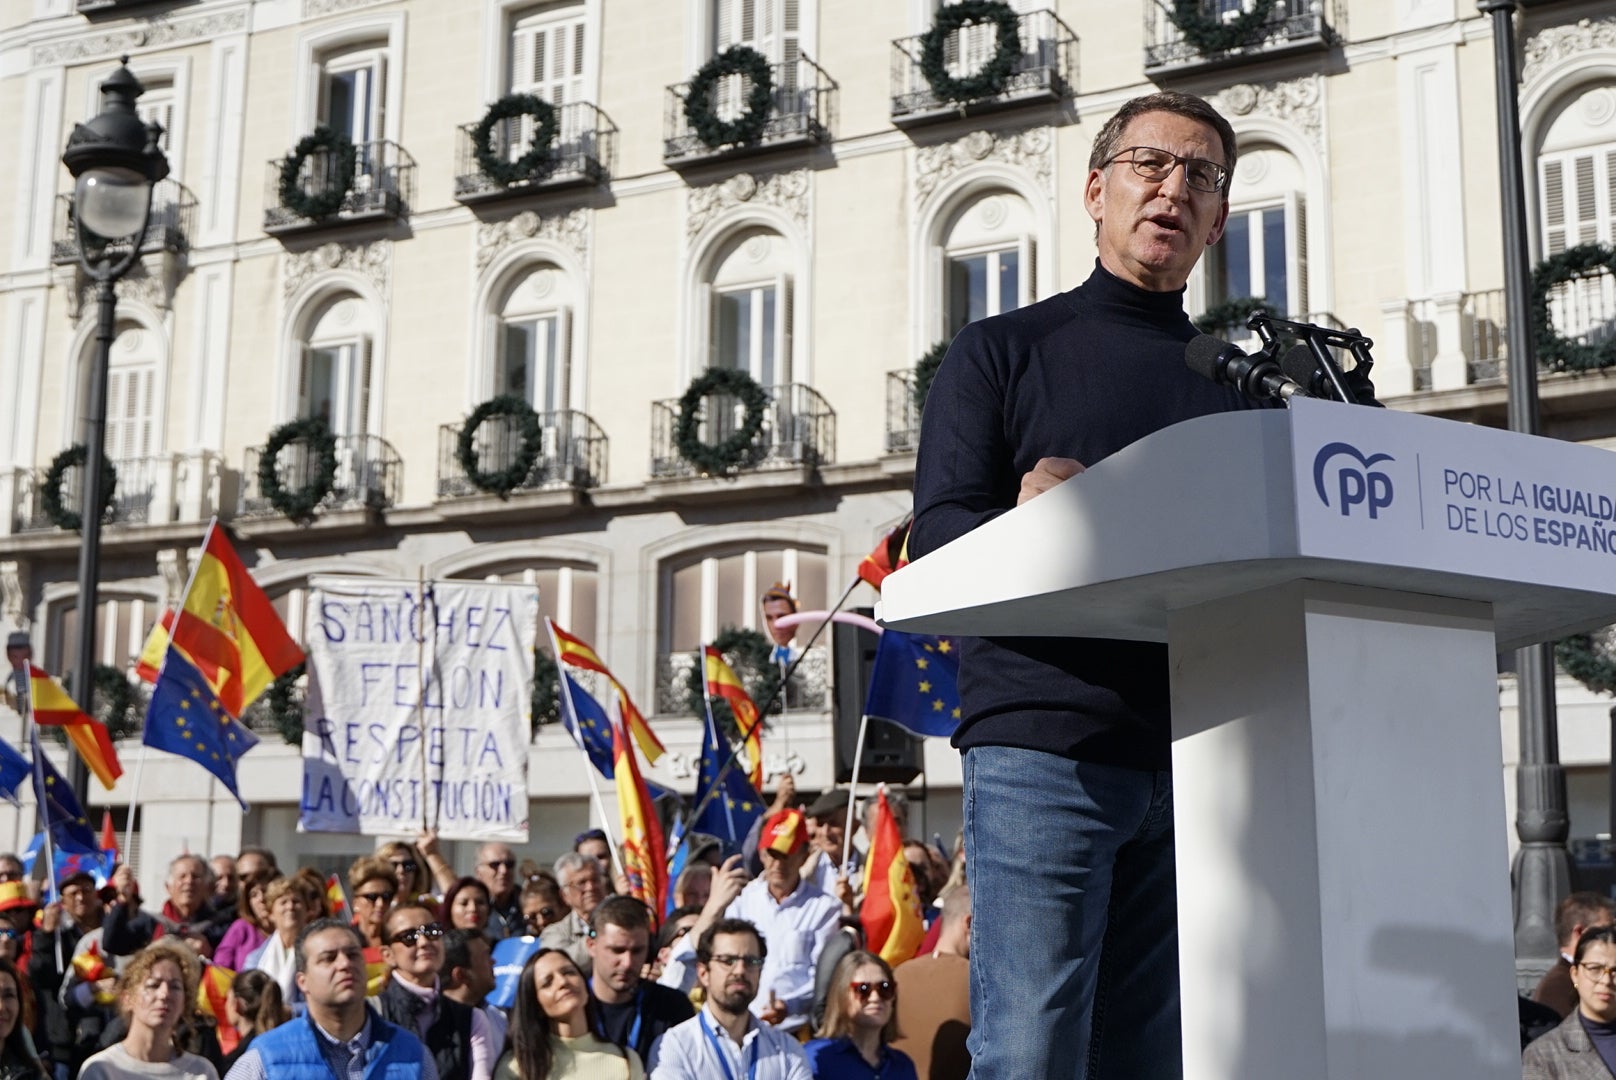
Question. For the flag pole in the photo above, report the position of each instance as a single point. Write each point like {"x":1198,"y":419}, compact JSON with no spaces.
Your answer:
{"x":852,"y":788}
{"x":185,"y":594}
{"x":712,"y":733}
{"x":779,"y":693}
{"x":25,"y":698}
{"x":577,"y":740}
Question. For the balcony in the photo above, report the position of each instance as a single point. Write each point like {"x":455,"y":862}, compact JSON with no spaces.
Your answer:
{"x":1292,"y":26}
{"x":809,"y":688}
{"x":370,"y":476}
{"x":173,"y":220}
{"x":1046,"y":70}
{"x":582,"y":154}
{"x":382,"y":189}
{"x":572,"y":454}
{"x":1442,"y":333}
{"x":799,"y":115}
{"x":157,"y":489}
{"x":903,"y":414}
{"x":799,"y":432}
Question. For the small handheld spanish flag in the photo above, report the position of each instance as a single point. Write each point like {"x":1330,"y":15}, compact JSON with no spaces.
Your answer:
{"x":54,"y":707}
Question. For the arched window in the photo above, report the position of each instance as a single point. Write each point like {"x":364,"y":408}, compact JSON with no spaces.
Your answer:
{"x":748,"y":307}
{"x":334,"y":375}
{"x":1263,"y":252}
{"x":569,"y":593}
{"x":1576,"y":168}
{"x":532,"y":342}
{"x":121,"y":625}
{"x":987,"y":253}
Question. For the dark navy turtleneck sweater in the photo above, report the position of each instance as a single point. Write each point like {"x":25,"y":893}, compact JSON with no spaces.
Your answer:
{"x":1080,"y":375}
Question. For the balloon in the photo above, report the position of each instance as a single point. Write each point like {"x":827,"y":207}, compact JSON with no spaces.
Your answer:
{"x":851,"y":618}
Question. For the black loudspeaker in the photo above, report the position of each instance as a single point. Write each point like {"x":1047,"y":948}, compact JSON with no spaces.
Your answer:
{"x":891,"y":754}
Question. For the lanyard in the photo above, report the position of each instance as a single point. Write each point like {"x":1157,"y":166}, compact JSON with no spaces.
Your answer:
{"x":723,"y":1057}
{"x":634,"y":1029}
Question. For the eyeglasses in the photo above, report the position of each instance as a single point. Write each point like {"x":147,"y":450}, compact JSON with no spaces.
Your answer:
{"x":1157,"y":165}
{"x":729,"y":960}
{"x":501,"y":864}
{"x":375,"y":897}
{"x":1598,"y":972}
{"x":543,"y":915}
{"x":406,"y":865}
{"x":8,"y":934}
{"x":431,"y":931}
{"x":883,"y":989}
{"x":590,"y":882}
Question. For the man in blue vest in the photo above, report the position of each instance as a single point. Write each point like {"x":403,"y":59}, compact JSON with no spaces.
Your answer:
{"x":340,"y":1038}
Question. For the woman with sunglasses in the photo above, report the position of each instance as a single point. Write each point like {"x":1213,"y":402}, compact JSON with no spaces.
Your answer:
{"x":861,"y":1018}
{"x":1584,"y":1045}
{"x":552,"y":1033}
{"x":541,"y":903}
{"x":460,"y":1038}
{"x":155,"y":992}
{"x":410,"y":867}
{"x":372,"y":885}
{"x":18,"y":1058}
{"x":466,"y":905}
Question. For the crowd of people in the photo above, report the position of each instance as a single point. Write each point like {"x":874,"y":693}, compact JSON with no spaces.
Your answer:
{"x":247,"y":969}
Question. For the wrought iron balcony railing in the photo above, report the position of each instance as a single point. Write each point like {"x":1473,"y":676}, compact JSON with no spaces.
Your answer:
{"x":809,"y":688}
{"x":572,"y":453}
{"x":173,"y":220}
{"x":144,"y":493}
{"x":383,"y":187}
{"x":903,"y":414}
{"x":1291,"y":26}
{"x":582,"y":153}
{"x":799,"y":429}
{"x":1045,"y":70}
{"x":799,"y":114}
{"x":370,"y":476}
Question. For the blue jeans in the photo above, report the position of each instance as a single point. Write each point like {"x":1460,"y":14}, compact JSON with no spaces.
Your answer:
{"x":1074,"y":931}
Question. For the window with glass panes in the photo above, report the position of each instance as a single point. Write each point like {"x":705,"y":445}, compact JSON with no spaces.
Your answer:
{"x":1262,"y":254}
{"x":706,"y":592}
{"x":334,"y":380}
{"x":121,"y":626}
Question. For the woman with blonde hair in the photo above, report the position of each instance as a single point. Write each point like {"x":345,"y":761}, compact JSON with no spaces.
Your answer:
{"x":289,"y":914}
{"x":155,"y":992}
{"x":861,"y":1019}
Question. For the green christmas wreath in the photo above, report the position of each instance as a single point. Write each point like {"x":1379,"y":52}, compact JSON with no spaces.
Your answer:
{"x":533,"y":165}
{"x":119,"y":704}
{"x":1588,"y":659}
{"x":724,"y":457}
{"x":701,"y":112}
{"x":503,"y":481}
{"x":50,"y":490}
{"x":546,"y":700}
{"x":283,"y":702}
{"x":991,"y":79}
{"x":1555,"y":351}
{"x":926,"y":371}
{"x":750,"y":655}
{"x":324,"y":203}
{"x":1209,"y":34}
{"x":1232,"y":312}
{"x":299,"y":504}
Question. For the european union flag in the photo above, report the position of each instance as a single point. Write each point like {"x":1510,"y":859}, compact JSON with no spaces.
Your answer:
{"x":915,"y":682}
{"x":185,"y":717}
{"x":730,"y":812}
{"x":59,"y":808}
{"x":586,"y":721}
{"x":14,"y":769}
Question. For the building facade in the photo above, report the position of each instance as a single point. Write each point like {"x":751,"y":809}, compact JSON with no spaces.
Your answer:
{"x":867,"y":216}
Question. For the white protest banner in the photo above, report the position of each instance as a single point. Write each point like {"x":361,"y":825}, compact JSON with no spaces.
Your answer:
{"x":417,"y":713}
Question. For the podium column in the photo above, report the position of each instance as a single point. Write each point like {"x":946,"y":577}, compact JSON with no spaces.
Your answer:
{"x":1343,"y":880}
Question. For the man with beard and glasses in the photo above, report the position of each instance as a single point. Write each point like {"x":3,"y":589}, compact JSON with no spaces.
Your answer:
{"x":724,"y":1039}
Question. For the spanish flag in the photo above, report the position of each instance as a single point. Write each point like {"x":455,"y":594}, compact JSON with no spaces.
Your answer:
{"x":890,"y":554}
{"x":227,"y":627}
{"x":643,"y":848}
{"x":54,"y":707}
{"x":336,"y":898}
{"x":893,"y":927}
{"x":576,"y":652}
{"x":722,"y":683}
{"x":211,"y":991}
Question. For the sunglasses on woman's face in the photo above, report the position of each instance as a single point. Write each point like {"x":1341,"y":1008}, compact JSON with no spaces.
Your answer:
{"x":407,"y":938}
{"x":883,"y":989}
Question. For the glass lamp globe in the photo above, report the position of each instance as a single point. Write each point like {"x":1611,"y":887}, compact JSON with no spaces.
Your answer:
{"x":112,"y":201}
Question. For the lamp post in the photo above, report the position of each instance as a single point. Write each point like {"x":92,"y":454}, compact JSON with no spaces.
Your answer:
{"x":115,"y":161}
{"x":1542,"y":871}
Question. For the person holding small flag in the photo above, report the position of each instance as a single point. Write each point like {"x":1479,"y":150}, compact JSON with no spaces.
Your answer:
{"x":185,"y":914}
{"x":69,"y":919}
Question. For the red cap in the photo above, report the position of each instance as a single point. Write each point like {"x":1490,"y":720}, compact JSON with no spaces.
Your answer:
{"x":785,"y":833}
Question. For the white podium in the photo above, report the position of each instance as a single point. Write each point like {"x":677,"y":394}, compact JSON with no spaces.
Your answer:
{"x":1333,"y":584}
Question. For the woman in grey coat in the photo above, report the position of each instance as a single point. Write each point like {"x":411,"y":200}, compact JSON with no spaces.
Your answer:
{"x":1583,"y":1047}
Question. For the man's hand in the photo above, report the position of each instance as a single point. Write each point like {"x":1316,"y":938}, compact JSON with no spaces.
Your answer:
{"x":50,"y":917}
{"x":1049,"y":472}
{"x":845,"y":893}
{"x":784,"y":795}
{"x":727,"y":885}
{"x":775,"y":1012}
{"x":123,"y":879}
{"x":427,"y":844}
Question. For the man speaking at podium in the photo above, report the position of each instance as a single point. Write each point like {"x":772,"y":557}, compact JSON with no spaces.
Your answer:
{"x":1068,"y":798}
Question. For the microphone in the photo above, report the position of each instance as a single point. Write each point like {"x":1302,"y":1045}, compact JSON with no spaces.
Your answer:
{"x":1300,"y":367}
{"x":1255,"y":376}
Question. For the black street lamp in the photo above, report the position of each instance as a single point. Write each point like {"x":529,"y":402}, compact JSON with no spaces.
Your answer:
{"x":115,"y":161}
{"x":1542,"y":871}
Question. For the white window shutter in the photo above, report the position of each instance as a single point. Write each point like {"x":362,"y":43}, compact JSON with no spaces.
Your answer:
{"x":1026,"y":280}
{"x":782,"y":329}
{"x":1296,"y":252}
{"x":1587,"y":205}
{"x":304,"y":405}
{"x":525,"y":42}
{"x":360,"y":353}
{"x":378,"y":100}
{"x":561,"y":362}
{"x":1554,"y":220}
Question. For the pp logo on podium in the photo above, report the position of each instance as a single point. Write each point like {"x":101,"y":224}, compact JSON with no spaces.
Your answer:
{"x":1355,"y":480}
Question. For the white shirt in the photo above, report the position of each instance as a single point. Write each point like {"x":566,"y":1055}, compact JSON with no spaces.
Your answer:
{"x":691,"y":1051}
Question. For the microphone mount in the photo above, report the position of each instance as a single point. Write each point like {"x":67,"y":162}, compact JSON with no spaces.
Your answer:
{"x":1319,"y":341}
